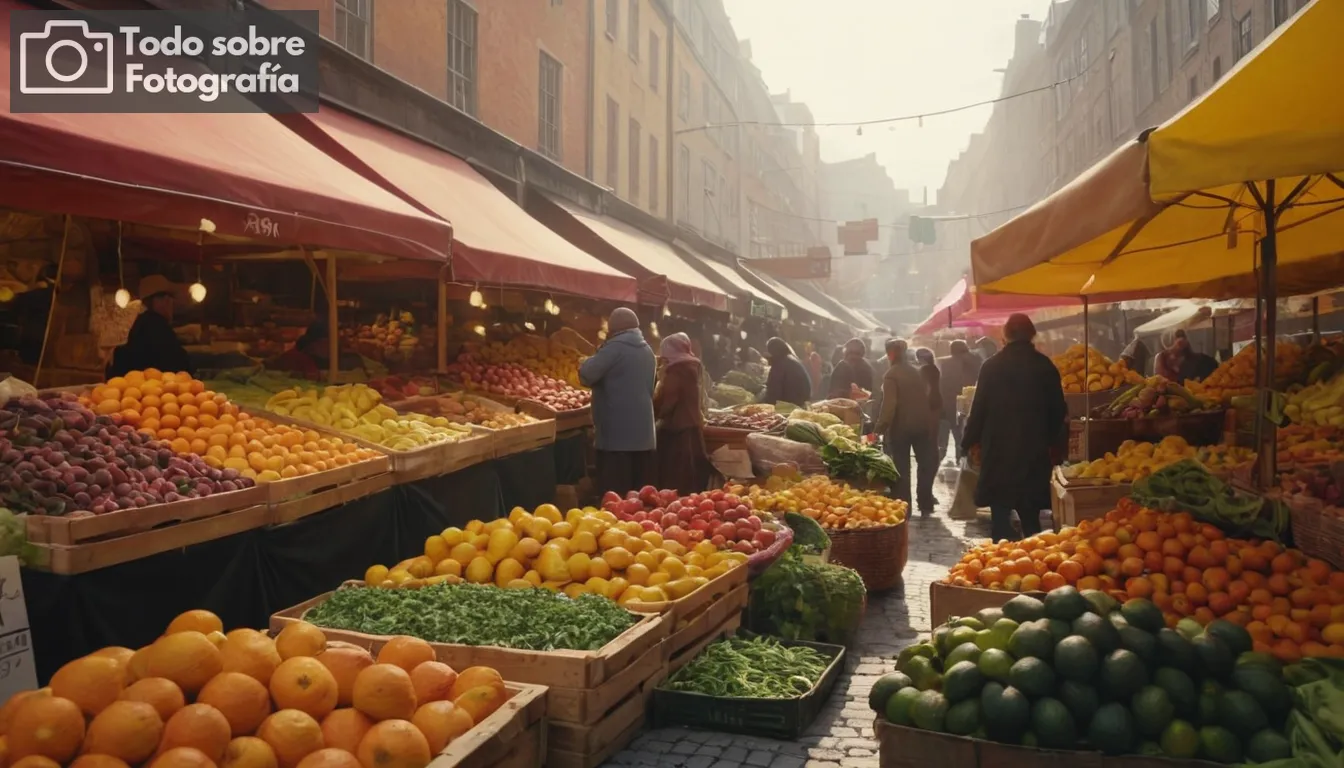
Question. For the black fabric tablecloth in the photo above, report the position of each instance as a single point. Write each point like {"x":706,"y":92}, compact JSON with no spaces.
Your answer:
{"x":249,"y":576}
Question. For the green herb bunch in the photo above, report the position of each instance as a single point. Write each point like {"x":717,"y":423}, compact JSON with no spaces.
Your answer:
{"x":754,"y":668}
{"x":802,"y":601}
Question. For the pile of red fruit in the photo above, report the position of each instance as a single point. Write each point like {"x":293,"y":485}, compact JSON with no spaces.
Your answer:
{"x":514,"y":380}
{"x":726,"y":520}
{"x":399,"y":387}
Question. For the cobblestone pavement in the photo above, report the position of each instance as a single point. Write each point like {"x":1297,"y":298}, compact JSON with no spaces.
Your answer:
{"x":842,"y":736}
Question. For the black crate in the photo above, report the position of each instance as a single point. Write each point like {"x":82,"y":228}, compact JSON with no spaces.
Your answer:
{"x":773,"y":718}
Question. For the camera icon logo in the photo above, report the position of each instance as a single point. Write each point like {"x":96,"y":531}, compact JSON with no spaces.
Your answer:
{"x":75,"y":44}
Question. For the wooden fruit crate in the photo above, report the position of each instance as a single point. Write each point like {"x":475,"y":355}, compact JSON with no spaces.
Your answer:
{"x":302,"y":506}
{"x":565,"y":421}
{"x":514,"y":736}
{"x":681,"y":658}
{"x":946,"y":601}
{"x":507,"y":441}
{"x":587,"y":746}
{"x":49,"y":529}
{"x":686,"y":606}
{"x":1078,"y":501}
{"x":697,"y":625}
{"x":93,"y":555}
{"x":308,"y":485}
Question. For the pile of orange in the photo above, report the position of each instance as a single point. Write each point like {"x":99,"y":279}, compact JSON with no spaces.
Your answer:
{"x":1292,"y":605}
{"x":178,"y":409}
{"x":197,"y":698}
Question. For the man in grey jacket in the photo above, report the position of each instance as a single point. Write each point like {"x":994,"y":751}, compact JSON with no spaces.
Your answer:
{"x":621,"y":375}
{"x":907,"y":425}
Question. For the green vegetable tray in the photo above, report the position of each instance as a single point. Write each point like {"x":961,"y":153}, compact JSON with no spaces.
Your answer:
{"x":772,"y":718}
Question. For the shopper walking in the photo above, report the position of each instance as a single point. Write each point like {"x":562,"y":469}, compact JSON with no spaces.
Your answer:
{"x":906,"y":424}
{"x":788,"y":381}
{"x":958,"y":371}
{"x":621,"y":375}
{"x":1017,"y":426}
{"x":683,"y":463}
{"x":852,"y":370}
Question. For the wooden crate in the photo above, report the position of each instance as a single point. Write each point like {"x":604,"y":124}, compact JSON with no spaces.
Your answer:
{"x":525,"y":438}
{"x":308,"y":485}
{"x":48,"y":529}
{"x":514,"y":736}
{"x":560,"y":668}
{"x":691,"y":629}
{"x":300,"y":507}
{"x":1084,"y":501}
{"x":587,"y":746}
{"x":565,"y":421}
{"x":688,"y":605}
{"x":946,"y":601}
{"x":93,"y":555}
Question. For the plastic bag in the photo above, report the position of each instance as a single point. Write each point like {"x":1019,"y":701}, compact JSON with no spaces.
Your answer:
{"x":847,"y":410}
{"x":768,"y":452}
{"x":15,"y":387}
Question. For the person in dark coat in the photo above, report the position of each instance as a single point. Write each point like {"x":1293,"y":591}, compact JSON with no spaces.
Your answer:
{"x":851,"y":370}
{"x":1018,"y":423}
{"x":1136,"y":355}
{"x":621,"y":375}
{"x":906,"y":424}
{"x":683,"y":463}
{"x":958,"y":371}
{"x":152,"y":343}
{"x":788,"y":380}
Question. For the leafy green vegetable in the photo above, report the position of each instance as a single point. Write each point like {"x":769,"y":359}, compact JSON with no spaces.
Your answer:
{"x":802,"y":601}
{"x":476,"y":614}
{"x":847,"y":459}
{"x":1188,"y":485}
{"x":754,"y":668}
{"x":808,"y":535}
{"x":14,"y":539}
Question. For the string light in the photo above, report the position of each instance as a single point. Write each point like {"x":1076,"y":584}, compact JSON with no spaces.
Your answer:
{"x":529,"y":326}
{"x":123,"y":296}
{"x":667,"y":311}
{"x":744,"y":335}
{"x":653,"y":329}
{"x":197,"y":291}
{"x":477,"y":298}
{"x":549,"y":307}
{"x":479,"y":329}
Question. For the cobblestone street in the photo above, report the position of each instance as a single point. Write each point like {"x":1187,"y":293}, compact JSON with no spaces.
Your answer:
{"x":842,"y":736}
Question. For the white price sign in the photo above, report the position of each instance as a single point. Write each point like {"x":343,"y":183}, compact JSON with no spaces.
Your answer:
{"x":17,"y":670}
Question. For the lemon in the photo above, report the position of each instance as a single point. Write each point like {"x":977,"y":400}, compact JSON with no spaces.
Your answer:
{"x":657,"y":579}
{"x":598,"y":567}
{"x":508,"y":570}
{"x":533,"y":578}
{"x":436,"y":548}
{"x":574,"y":590}
{"x":479,"y":570}
{"x":579,"y":566}
{"x":673,"y":567}
{"x":585,"y":542}
{"x":448,"y":567}
{"x":463,"y":553}
{"x":376,"y":574}
{"x":637,"y":574}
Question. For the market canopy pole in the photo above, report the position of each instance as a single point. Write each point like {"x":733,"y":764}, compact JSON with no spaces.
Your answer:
{"x":55,"y":295}
{"x":333,"y":331}
{"x":442,"y":324}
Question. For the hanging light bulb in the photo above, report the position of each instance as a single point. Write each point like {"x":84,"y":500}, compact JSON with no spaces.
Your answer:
{"x":197,"y":291}
{"x":555,"y":308}
{"x":602,"y":335}
{"x":783,"y":313}
{"x":479,"y":329}
{"x":477,"y":299}
{"x":549,"y":306}
{"x":122,"y":298}
{"x":529,"y":326}
{"x":744,"y":335}
{"x":667,"y":311}
{"x":653,"y":329}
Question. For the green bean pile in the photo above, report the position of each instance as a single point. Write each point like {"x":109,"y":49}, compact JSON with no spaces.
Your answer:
{"x":758,"y":668}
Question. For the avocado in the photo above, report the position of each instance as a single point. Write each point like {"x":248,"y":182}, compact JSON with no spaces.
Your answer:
{"x":1112,"y":729}
{"x":1076,"y":659}
{"x":968,"y":621}
{"x":921,"y":672}
{"x":964,"y":652}
{"x":926,"y":650}
{"x":1081,"y":699}
{"x":1267,"y":686}
{"x":1173,"y":650}
{"x":1053,"y":724}
{"x":1059,"y":629}
{"x":1268,"y":745}
{"x":1189,"y":628}
{"x":1239,"y":712}
{"x":1032,"y":639}
{"x":900,"y":704}
{"x":1141,"y":643}
{"x":1219,"y":745}
{"x":988,"y":616}
{"x":929,"y":711}
{"x":1180,"y":740}
{"x":1143,"y":614}
{"x":885,"y":686}
{"x":1209,"y":695}
{"x":1100,"y":632}
{"x":1153,"y":711}
{"x":1005,"y":711}
{"x":1001,"y":632}
{"x":1065,"y":604}
{"x":962,"y":681}
{"x":1024,"y":608}
{"x":963,"y":718}
{"x":994,"y":664}
{"x":1122,"y":675}
{"x":1215,"y":658}
{"x":1236,"y":638}
{"x":1033,"y":677}
{"x":1180,"y":690}
{"x":1099,"y":602}
{"x":958,"y":636}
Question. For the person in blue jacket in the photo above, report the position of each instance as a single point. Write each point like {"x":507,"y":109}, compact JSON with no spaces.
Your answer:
{"x":621,"y":374}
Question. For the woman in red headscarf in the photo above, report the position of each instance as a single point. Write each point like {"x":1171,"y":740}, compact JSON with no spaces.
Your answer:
{"x":683,"y":464}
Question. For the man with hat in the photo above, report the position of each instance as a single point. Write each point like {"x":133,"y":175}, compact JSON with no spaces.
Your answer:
{"x":151,"y":342}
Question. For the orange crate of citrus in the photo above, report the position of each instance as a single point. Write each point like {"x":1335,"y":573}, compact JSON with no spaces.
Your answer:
{"x":1292,"y":605}
{"x":180,"y":410}
{"x":289,"y":702}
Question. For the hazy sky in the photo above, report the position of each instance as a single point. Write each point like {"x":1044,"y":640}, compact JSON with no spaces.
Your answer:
{"x":866,"y":59}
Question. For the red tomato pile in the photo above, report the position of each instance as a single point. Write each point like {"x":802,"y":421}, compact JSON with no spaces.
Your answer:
{"x":724,"y":519}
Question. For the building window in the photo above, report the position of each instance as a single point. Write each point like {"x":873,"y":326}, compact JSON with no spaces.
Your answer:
{"x":354,"y":19}
{"x":707,"y":99}
{"x":708,"y":192}
{"x":632,"y":19}
{"x":1280,"y":10}
{"x":548,"y":107}
{"x":683,"y":183}
{"x":462,"y":56}
{"x":1154,"y":59}
{"x":635,"y":144}
{"x":684,"y":97}
{"x":1081,"y":65}
{"x":1193,"y":87}
{"x":613,"y":18}
{"x":613,"y":143}
{"x":1194,"y":18}
{"x":655,"y":65}
{"x":1212,"y":7}
{"x":1217,"y":68}
{"x":1244,"y":36}
{"x":653,"y":174}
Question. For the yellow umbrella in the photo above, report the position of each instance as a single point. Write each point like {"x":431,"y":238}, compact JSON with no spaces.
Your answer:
{"x":1256,"y":164}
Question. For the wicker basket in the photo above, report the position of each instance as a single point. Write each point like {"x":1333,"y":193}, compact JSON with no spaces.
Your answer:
{"x":878,"y":554}
{"x":1316,"y":533}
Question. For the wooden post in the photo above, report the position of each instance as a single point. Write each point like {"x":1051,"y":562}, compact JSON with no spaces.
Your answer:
{"x":55,"y":296}
{"x":333,"y":329}
{"x":443,"y":325}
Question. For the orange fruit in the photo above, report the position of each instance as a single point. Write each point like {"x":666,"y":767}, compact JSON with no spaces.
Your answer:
{"x":473,"y":677}
{"x":344,"y":728}
{"x":303,"y":683}
{"x":407,"y":652}
{"x":433,"y":681}
{"x":300,"y":639}
{"x":330,"y":758}
{"x":345,"y":662}
{"x":92,"y":682}
{"x":127,"y":730}
{"x":182,"y":757}
{"x":248,"y":752}
{"x":394,"y":744}
{"x":250,"y":652}
{"x":187,"y":658}
{"x":242,"y":700}
{"x":481,"y":702}
{"x":385,"y":692}
{"x":98,"y":761}
{"x":199,"y":726}
{"x":441,"y":722}
{"x":46,"y":726}
{"x":15,"y":702}
{"x":293,"y":735}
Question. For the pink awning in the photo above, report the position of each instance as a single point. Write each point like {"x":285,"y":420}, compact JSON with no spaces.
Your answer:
{"x":495,"y":242}
{"x":964,"y":307}
{"x":246,"y":173}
